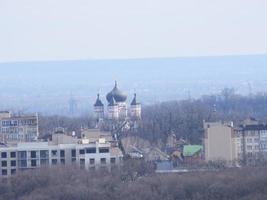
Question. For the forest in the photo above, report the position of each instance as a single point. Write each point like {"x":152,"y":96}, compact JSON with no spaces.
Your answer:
{"x":184,"y":118}
{"x":135,"y":182}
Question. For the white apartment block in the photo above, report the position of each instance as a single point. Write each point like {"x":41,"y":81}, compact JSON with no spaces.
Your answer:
{"x":61,"y":150}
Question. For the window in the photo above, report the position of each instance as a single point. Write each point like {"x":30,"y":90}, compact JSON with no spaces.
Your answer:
{"x":73,"y":153}
{"x":44,"y":154}
{"x":249,"y":147}
{"x":3,"y":155}
{"x":82,"y":163}
{"x":54,"y":161}
{"x":44,"y":162}
{"x":103,"y":161}
{"x":103,"y":150}
{"x":249,"y":154}
{"x":256,"y":140}
{"x":91,"y":150}
{"x":62,"y":161}
{"x":22,"y":155}
{"x":92,"y":161}
{"x":62,"y":153}
{"x":4,"y":172}
{"x":13,"y":163}
{"x":82,"y":151}
{"x":13,"y":154}
{"x":22,"y":163}
{"x":73,"y":160}
{"x":4,"y":163}
{"x":33,"y":163}
{"x":13,"y":171}
{"x":33,"y":154}
{"x":249,"y":140}
{"x":112,"y":160}
{"x":54,"y":152}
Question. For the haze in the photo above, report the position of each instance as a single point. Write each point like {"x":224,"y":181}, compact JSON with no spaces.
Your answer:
{"x":46,"y":87}
{"x":86,"y":29}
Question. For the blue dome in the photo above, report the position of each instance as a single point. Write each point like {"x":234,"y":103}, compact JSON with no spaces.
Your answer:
{"x":118,"y":95}
{"x":98,"y":102}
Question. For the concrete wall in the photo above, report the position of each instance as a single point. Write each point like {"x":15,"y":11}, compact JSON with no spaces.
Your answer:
{"x":219,"y":142}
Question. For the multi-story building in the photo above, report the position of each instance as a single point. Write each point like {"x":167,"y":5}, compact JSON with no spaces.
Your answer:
{"x":18,"y":128}
{"x":253,"y":142}
{"x":88,"y":153}
{"x":219,"y":142}
{"x":245,"y":143}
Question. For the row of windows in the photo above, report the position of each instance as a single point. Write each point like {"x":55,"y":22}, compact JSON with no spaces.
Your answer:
{"x":4,"y":172}
{"x":33,"y":163}
{"x":19,"y":122}
{"x":55,"y":153}
{"x":12,"y":154}
{"x":250,"y":140}
{"x":250,"y":147}
{"x":45,"y":153}
{"x":91,"y":151}
{"x":13,"y":163}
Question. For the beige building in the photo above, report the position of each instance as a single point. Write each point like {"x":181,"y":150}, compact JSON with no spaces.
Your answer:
{"x":245,"y":143}
{"x":220,"y":142}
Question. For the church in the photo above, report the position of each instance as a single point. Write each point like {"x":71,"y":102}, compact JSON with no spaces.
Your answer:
{"x":117,"y":109}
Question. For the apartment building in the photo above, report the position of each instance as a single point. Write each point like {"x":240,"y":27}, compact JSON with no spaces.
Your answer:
{"x":253,"y":139}
{"x":244,"y":143}
{"x":219,"y":142}
{"x":18,"y":128}
{"x":61,"y":150}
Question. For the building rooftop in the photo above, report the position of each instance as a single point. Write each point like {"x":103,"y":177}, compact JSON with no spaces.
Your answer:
{"x":117,"y":94}
{"x":96,"y":134}
{"x":191,"y":150}
{"x":255,"y":127}
{"x":98,"y":102}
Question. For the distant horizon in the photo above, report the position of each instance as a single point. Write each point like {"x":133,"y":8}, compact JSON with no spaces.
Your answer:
{"x":46,"y":85}
{"x":137,"y":58}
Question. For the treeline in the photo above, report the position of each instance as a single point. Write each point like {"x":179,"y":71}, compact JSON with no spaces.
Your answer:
{"x":70,"y":183}
{"x":183,"y":118}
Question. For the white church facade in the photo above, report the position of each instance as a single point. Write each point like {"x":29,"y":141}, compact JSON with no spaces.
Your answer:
{"x":117,"y":108}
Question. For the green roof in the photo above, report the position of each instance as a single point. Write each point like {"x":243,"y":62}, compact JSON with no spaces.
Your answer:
{"x":190,"y":150}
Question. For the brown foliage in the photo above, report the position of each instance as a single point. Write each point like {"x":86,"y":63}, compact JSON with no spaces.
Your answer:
{"x":70,"y":183}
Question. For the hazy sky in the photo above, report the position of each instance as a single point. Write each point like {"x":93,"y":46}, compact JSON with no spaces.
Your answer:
{"x":82,"y":29}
